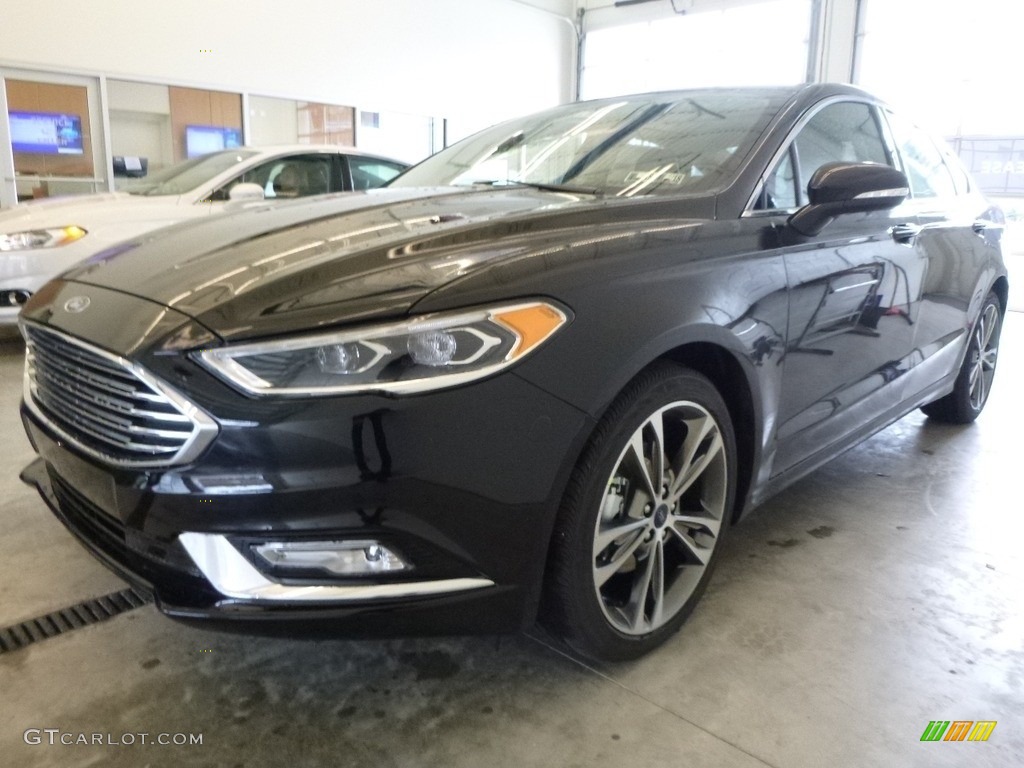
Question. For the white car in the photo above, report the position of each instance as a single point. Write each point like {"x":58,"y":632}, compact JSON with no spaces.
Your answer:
{"x":42,"y":238}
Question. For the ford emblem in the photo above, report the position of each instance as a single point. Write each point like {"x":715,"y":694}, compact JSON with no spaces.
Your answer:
{"x":77,"y":304}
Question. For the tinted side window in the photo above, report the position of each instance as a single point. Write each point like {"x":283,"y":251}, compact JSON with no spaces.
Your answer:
{"x":780,"y":189}
{"x":284,"y":177}
{"x":844,"y":131}
{"x":370,"y":172}
{"x":922,"y":160}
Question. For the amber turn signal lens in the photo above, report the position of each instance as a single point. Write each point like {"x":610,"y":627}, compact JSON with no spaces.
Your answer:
{"x":531,"y":324}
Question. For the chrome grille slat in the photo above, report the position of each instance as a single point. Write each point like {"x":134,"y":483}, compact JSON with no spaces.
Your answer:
{"x":123,"y":407}
{"x":114,"y":439}
{"x":94,"y":380}
{"x":80,"y":411}
{"x":107,"y":406}
{"x":98,"y":364}
{"x":55,"y":399}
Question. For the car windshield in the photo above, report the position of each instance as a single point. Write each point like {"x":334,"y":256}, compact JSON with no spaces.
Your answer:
{"x":655,"y":144}
{"x":186,"y":176}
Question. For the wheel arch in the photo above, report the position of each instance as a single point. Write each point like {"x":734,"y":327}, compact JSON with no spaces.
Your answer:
{"x":1001,"y":288}
{"x":727,"y":374}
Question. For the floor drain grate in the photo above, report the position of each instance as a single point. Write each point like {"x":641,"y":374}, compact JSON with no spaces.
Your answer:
{"x":80,"y":615}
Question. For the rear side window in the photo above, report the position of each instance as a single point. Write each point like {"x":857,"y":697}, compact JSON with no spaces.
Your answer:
{"x":845,"y":131}
{"x":922,"y":160}
{"x":370,"y":172}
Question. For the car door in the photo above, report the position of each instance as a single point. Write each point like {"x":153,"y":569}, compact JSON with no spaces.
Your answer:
{"x":954,"y":242}
{"x":854,"y":294}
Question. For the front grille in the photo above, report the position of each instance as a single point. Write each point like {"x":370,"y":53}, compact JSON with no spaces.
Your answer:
{"x":106,"y":406}
{"x":97,"y":523}
{"x":111,"y":534}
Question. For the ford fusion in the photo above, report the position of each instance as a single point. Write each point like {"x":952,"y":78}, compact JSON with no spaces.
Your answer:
{"x":538,"y":375}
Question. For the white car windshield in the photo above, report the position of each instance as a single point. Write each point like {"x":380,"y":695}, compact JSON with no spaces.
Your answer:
{"x":186,"y":176}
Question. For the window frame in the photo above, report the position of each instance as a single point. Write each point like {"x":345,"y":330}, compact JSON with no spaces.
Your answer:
{"x":349,"y":159}
{"x":751,"y":211}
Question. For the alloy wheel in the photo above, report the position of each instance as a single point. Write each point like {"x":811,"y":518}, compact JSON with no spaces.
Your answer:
{"x":984,"y":352}
{"x":661,"y":517}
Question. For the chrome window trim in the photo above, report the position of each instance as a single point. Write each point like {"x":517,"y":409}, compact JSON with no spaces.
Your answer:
{"x":204,"y":426}
{"x":233,"y":576}
{"x":748,"y":210}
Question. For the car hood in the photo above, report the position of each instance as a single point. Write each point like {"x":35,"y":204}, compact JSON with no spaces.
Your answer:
{"x":91,"y":212}
{"x":340,"y":259}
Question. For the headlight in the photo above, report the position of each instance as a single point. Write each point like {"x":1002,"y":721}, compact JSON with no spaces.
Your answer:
{"x":40,"y":238}
{"x":430,"y":352}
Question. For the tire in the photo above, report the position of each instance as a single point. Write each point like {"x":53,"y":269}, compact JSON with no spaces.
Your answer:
{"x":974,"y":381}
{"x":631,"y":556}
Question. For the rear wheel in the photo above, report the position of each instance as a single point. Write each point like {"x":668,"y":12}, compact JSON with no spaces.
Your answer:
{"x":974,"y":382}
{"x":643,"y":519}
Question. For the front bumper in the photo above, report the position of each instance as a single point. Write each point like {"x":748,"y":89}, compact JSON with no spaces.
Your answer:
{"x":468,"y":493}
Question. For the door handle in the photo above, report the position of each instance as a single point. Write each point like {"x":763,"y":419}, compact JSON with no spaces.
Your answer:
{"x":905,"y":234}
{"x":980,"y":226}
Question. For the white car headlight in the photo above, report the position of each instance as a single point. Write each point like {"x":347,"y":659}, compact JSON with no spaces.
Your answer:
{"x":420,"y":354}
{"x":40,"y":238}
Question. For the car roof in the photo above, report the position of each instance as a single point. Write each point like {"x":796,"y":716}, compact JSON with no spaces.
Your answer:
{"x":268,"y":150}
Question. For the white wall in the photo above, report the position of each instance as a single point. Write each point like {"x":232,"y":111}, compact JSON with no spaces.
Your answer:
{"x":470,"y":60}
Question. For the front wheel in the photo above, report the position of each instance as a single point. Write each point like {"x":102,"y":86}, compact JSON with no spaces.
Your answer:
{"x":644,"y":516}
{"x":974,"y":381}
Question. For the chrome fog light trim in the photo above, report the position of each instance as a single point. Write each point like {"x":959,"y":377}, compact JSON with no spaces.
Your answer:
{"x":234,"y":576}
{"x":345,"y":558}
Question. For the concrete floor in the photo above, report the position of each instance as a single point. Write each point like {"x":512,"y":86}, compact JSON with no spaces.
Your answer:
{"x":883,"y":591}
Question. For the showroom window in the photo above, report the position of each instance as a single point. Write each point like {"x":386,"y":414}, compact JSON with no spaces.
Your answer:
{"x":154,"y":126}
{"x":52,"y":128}
{"x":287,"y":121}
{"x":950,"y":68}
{"x":954,"y":71}
{"x":922,"y":161}
{"x":764,"y":43}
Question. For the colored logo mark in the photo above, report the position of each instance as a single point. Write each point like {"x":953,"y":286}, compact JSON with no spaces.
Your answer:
{"x":958,"y":730}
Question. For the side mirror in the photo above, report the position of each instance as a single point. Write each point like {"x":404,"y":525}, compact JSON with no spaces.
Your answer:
{"x":246,"y":191}
{"x":837,"y":188}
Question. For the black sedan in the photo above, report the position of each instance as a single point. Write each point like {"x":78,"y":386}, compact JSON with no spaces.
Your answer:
{"x":541,"y":373}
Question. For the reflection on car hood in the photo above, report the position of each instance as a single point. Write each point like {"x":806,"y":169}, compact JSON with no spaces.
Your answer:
{"x":90,"y":211}
{"x":333,"y":260}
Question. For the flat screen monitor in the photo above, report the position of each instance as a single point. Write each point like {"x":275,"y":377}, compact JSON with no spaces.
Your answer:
{"x":203,"y":139}
{"x":46,"y":133}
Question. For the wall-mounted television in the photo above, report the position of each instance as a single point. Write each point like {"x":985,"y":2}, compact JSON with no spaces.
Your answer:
{"x":203,"y":139}
{"x":46,"y":133}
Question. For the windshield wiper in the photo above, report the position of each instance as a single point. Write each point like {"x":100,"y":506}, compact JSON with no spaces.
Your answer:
{"x":541,"y":185}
